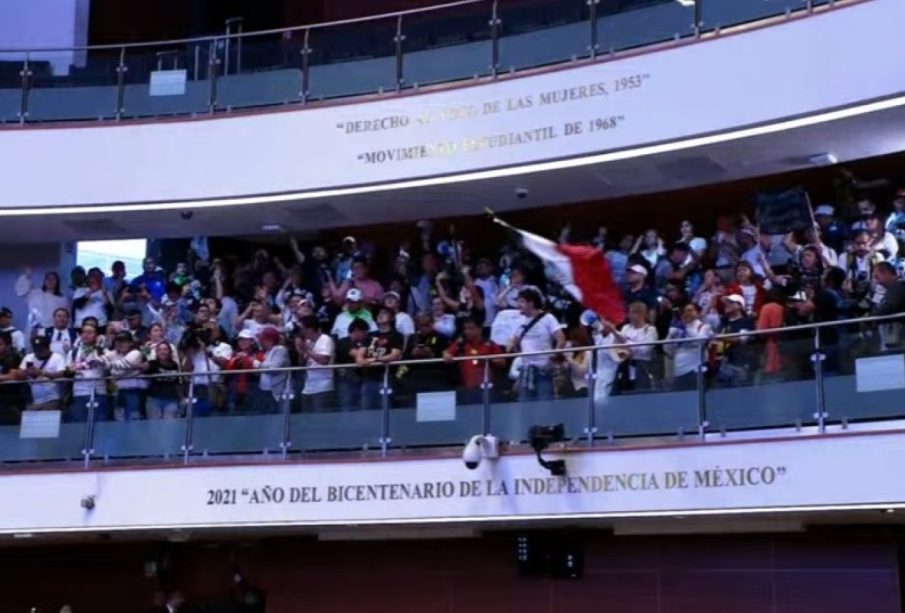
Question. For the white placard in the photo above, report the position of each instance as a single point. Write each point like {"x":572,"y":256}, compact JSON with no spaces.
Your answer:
{"x":168,"y":82}
{"x":878,"y":373}
{"x":436,"y":406}
{"x":40,"y":424}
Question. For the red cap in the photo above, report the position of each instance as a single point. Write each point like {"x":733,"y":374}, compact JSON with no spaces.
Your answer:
{"x":270,"y":334}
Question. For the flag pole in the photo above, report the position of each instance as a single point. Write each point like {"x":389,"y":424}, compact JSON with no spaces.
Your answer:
{"x":493,"y":217}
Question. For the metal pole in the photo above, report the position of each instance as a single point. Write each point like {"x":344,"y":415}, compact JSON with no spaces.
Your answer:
{"x":591,"y":376}
{"x":212,"y":75}
{"x":400,"y":75}
{"x":703,"y":424}
{"x":189,"y":423}
{"x":592,"y":16}
{"x":226,"y":46}
{"x":197,"y":60}
{"x":495,"y":40}
{"x":385,"y":408}
{"x":88,"y":443}
{"x":697,"y":18}
{"x":818,"y":358}
{"x":306,"y":66}
{"x":286,"y":442}
{"x":239,"y":50}
{"x":810,"y":6}
{"x":25,"y":75}
{"x":120,"y":83}
{"x":486,"y":386}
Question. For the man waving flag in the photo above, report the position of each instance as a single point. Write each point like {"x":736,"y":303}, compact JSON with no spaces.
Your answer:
{"x":584,"y":271}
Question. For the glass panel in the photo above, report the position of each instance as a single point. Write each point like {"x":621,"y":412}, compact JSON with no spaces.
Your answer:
{"x":450,"y":400}
{"x":262,"y":70}
{"x":66,"y":446}
{"x":351,"y":59}
{"x":168,"y":64}
{"x":340,"y":410}
{"x":726,"y":14}
{"x":626,"y":25}
{"x":10,"y":89}
{"x":761,"y":381}
{"x":73,"y":85}
{"x":638,"y":392}
{"x":239,"y":413}
{"x":864,"y":368}
{"x":446,"y":45}
{"x":535,"y":34}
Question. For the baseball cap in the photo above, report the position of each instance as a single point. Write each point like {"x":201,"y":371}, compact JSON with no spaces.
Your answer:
{"x":353,"y":295}
{"x":736,"y":298}
{"x":824,"y":209}
{"x":639,"y":269}
{"x":247,"y":334}
{"x":6,"y":312}
{"x":271,"y":334}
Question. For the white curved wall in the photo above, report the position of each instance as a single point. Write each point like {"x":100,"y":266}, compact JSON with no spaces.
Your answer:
{"x":833,"y":59}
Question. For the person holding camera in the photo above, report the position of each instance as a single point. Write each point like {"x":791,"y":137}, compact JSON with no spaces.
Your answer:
{"x":538,"y":331}
{"x":85,"y":364}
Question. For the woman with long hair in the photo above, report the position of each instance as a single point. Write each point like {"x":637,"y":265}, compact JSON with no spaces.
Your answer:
{"x":42,"y":301}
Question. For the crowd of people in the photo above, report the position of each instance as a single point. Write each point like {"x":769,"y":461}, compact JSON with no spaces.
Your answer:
{"x":229,"y":331}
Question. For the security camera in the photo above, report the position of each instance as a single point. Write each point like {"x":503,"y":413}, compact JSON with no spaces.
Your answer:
{"x":87,"y":502}
{"x":521,"y":193}
{"x":478,"y":448}
{"x":186,"y":215}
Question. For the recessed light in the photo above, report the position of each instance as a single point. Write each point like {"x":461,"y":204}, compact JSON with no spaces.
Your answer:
{"x":889,"y":511}
{"x":273,"y":227}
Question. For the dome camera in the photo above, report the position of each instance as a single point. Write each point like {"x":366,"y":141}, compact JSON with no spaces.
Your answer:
{"x":186,"y":215}
{"x":478,"y":448}
{"x":521,"y":193}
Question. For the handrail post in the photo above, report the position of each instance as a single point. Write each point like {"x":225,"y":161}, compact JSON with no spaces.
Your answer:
{"x":592,"y":17}
{"x":189,"y":423}
{"x":817,"y":358}
{"x":120,"y":83}
{"x":385,"y":391}
{"x":697,"y":18}
{"x":703,"y":424}
{"x":398,"y":40}
{"x":486,"y":386}
{"x":213,"y":61}
{"x":306,"y":66}
{"x":287,"y":397}
{"x":495,"y":40}
{"x":590,"y":430}
{"x":88,"y":442}
{"x":25,"y":75}
{"x":809,"y":6}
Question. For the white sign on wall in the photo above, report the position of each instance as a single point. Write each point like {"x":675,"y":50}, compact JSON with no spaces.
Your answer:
{"x":828,"y":472}
{"x":712,"y":86}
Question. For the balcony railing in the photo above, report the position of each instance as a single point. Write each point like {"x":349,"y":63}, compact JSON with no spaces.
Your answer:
{"x":384,"y":54}
{"x":803,"y":378}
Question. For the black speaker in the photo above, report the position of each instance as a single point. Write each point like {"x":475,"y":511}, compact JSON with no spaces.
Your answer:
{"x":555,"y":554}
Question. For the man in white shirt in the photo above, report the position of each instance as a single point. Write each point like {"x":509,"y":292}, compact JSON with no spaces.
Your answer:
{"x":272,"y":385}
{"x":688,"y":356}
{"x":60,"y":337}
{"x":318,"y":350}
{"x":638,"y":372}
{"x":92,"y":301}
{"x":539,"y":331}
{"x":405,"y":325}
{"x":40,"y":368}
{"x":6,"y":325}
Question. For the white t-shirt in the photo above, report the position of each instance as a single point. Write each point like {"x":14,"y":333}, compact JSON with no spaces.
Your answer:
{"x":42,"y":393}
{"x":89,"y":357}
{"x":687,"y":356}
{"x":645,"y":334}
{"x":94,"y":307}
{"x":405,"y":325}
{"x":320,"y":380}
{"x":540,"y":337}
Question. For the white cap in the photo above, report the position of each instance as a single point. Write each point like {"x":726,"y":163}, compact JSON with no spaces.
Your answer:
{"x":353,"y":295}
{"x":824,"y":209}
{"x":736,"y":298}
{"x":247,"y":334}
{"x":638,"y":268}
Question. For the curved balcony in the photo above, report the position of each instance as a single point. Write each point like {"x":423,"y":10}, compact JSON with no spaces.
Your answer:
{"x":459,"y":41}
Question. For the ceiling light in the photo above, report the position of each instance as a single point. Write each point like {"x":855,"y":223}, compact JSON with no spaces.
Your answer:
{"x":686,"y":3}
{"x":273,"y":227}
{"x":823,"y":159}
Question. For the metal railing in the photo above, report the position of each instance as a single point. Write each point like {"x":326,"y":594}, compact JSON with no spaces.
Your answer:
{"x":824,"y":364}
{"x":391,"y":52}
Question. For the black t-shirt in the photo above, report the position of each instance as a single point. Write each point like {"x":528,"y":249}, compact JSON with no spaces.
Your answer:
{"x":739,"y":353}
{"x":645,"y":295}
{"x":380,"y":345}
{"x":11,"y":393}
{"x":167,"y":385}
{"x":344,"y":349}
